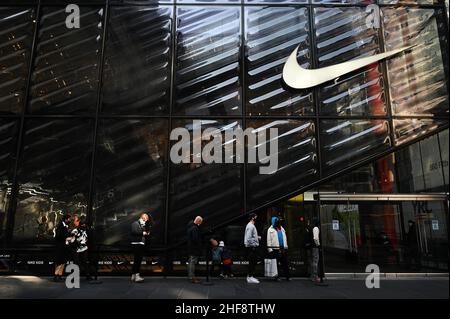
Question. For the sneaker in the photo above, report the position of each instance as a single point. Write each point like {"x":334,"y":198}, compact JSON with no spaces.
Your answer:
{"x":138,"y":278}
{"x":252,"y":280}
{"x":133,"y":277}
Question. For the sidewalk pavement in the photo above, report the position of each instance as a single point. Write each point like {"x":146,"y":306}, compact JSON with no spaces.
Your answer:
{"x":26,"y":287}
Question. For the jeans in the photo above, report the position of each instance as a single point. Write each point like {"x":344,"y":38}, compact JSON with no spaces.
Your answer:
{"x":193,"y":260}
{"x":138,"y":251}
{"x":315,"y":263}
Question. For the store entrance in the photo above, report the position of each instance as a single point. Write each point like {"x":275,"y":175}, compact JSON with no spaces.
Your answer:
{"x":399,"y":233}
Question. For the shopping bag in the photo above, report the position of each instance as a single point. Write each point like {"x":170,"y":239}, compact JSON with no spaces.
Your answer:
{"x":270,"y":268}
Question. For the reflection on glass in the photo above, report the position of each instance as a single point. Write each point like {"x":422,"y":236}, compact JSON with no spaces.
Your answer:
{"x":137,"y":61}
{"x":346,"y":141}
{"x":53,"y":176}
{"x":342,"y":34}
{"x":275,"y":1}
{"x":8,"y":138}
{"x":409,"y":169}
{"x":16,"y":36}
{"x":210,"y":190}
{"x":365,"y":233}
{"x":416,"y":79}
{"x":405,"y":2}
{"x":444,"y":146}
{"x":208,"y":1}
{"x":271,"y":35}
{"x":297,"y":161}
{"x":376,"y":177}
{"x":207,"y":71}
{"x":408,"y":129}
{"x":65,"y":75}
{"x":130,"y":178}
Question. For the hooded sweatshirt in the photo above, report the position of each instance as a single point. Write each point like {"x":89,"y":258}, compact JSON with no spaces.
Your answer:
{"x":276,"y":237}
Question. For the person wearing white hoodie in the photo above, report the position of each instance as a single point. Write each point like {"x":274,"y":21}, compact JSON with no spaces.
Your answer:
{"x":277,"y":245}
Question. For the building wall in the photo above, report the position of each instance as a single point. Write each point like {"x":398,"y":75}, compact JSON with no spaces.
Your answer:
{"x":85,"y":114}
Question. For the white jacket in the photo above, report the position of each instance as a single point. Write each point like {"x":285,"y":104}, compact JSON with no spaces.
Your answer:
{"x":272,"y":239}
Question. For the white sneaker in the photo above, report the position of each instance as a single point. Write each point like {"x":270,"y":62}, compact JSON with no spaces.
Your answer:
{"x":133,"y":277}
{"x":252,"y":280}
{"x":138,"y":278}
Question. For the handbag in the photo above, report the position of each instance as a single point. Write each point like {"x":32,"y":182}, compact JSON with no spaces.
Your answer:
{"x":270,"y":268}
{"x":227,"y":261}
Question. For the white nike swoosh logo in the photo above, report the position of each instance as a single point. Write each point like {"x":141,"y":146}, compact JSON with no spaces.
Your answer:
{"x":299,"y":78}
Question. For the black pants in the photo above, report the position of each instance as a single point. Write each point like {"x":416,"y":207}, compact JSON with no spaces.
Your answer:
{"x":138,"y":251}
{"x":252,"y":256}
{"x":83,"y":261}
{"x":282,"y":258}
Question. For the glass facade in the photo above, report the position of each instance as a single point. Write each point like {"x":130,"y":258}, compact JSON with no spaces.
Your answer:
{"x":86,"y":115}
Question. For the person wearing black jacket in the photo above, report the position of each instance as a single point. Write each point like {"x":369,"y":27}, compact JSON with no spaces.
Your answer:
{"x":194,"y":246}
{"x":62,"y":252}
{"x":139,"y":234}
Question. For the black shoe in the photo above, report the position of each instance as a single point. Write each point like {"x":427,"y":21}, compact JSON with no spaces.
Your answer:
{"x":58,"y":279}
{"x":288,"y":279}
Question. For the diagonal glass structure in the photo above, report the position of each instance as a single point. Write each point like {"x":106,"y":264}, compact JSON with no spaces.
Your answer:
{"x":86,"y":114}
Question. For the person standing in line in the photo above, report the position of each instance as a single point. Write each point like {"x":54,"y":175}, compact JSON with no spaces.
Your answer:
{"x":81,"y":247}
{"x":194,"y":247}
{"x":413,"y":256}
{"x":307,"y":244}
{"x":315,"y":252}
{"x":277,"y":245}
{"x":62,"y":240}
{"x":139,"y":234}
{"x":251,"y":243}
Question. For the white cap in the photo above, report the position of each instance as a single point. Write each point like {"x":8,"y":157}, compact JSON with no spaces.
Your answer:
{"x":221,"y":244}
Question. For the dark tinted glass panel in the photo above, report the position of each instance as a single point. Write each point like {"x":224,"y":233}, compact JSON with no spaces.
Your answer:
{"x":344,"y":1}
{"x":208,"y":1}
{"x":271,"y":35}
{"x":8,"y":139}
{"x":207,"y":71}
{"x":53,"y":176}
{"x":296,"y":165}
{"x":275,"y":1}
{"x":137,"y":61}
{"x":210,"y":190}
{"x":16,"y":37}
{"x":343,"y":34}
{"x":65,"y":76}
{"x":408,"y":129}
{"x":347,"y":141}
{"x":140,"y":1}
{"x":417,"y":79}
{"x":444,"y":145}
{"x":130,"y":178}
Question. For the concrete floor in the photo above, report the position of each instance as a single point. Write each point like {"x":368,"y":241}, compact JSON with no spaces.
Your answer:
{"x":236,"y":288}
